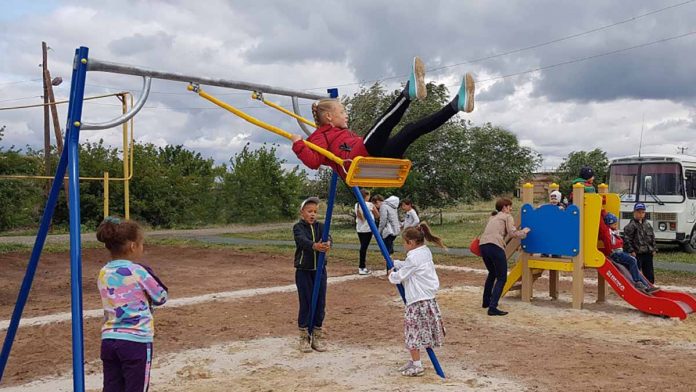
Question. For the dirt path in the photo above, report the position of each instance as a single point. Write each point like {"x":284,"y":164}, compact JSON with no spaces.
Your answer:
{"x":247,"y":342}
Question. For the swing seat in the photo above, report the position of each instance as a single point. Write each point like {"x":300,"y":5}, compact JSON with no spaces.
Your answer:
{"x":376,"y":172}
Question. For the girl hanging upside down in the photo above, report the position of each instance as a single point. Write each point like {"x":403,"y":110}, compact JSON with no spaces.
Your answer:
{"x":333,"y":133}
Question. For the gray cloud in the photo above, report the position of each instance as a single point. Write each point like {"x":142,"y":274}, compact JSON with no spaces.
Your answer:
{"x":316,"y":43}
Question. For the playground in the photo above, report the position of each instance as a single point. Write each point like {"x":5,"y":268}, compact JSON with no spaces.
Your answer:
{"x":582,"y":309}
{"x":219,"y":333}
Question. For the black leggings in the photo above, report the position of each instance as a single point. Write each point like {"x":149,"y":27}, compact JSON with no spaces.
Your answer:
{"x":377,"y":140}
{"x":364,"y":244}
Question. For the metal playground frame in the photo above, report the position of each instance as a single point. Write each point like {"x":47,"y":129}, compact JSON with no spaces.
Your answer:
{"x":394,"y":171}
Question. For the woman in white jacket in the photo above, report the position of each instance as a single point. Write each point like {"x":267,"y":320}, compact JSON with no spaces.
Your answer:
{"x":423,"y":326}
{"x":389,"y":226}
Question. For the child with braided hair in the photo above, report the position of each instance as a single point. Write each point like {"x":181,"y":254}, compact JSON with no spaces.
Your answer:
{"x":423,"y":327}
{"x":332,"y":131}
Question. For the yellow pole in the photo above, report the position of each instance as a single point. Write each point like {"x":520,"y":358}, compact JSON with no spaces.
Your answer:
{"x":266,"y":126}
{"x":601,"y":283}
{"x":578,"y":289}
{"x":126,"y":172}
{"x":106,"y":194}
{"x":527,"y":290}
{"x":274,"y":105}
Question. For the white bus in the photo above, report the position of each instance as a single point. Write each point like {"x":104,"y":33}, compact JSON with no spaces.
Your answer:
{"x":667,"y":186}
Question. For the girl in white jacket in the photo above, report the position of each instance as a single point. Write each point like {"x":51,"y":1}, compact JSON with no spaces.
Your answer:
{"x":423,"y":326}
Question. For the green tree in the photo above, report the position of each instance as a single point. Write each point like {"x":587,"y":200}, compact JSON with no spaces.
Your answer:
{"x":21,"y":199}
{"x":569,"y":169}
{"x":257,"y":188}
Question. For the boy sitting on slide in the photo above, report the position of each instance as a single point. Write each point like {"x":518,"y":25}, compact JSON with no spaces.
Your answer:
{"x":613,"y":247}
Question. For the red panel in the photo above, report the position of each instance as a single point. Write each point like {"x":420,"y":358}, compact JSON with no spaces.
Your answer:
{"x":658,"y":304}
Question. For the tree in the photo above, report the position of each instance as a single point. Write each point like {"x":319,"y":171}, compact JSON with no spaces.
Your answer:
{"x":569,"y":169}
{"x":21,"y":199}
{"x":257,"y":188}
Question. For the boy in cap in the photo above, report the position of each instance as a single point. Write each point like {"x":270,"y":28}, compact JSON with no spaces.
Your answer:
{"x":587,"y":179}
{"x":618,"y":255}
{"x":307,"y":232}
{"x":640,"y":241}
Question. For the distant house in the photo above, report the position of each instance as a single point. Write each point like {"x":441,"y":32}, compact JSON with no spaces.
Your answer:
{"x":541,"y":182}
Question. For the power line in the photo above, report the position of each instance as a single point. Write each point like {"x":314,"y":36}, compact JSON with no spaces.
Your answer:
{"x":513,"y":51}
{"x":587,"y":58}
{"x":60,"y":102}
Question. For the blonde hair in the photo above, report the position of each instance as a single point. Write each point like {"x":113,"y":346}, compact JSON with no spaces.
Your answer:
{"x":321,"y":107}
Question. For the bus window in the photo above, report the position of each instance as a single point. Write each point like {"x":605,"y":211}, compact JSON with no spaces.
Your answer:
{"x":691,"y":184}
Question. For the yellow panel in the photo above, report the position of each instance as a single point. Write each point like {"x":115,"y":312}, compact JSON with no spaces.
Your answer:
{"x":551,"y":265}
{"x":513,"y":277}
{"x":612,"y":203}
{"x":591,"y":215}
{"x":376,"y":172}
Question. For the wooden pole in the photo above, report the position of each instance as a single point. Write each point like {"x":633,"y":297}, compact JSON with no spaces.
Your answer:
{"x":527,"y":278}
{"x":553,"y":275}
{"x":47,"y":125}
{"x":54,"y":115}
{"x":601,"y":282}
{"x":579,"y":260}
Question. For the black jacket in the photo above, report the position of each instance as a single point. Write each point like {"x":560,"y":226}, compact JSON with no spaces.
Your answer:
{"x":305,"y":235}
{"x":640,"y":237}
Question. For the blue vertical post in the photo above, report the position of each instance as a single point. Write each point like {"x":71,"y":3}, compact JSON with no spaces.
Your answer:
{"x":77,"y":93}
{"x":33,"y":260}
{"x":322,"y":255}
{"x":390,"y":265}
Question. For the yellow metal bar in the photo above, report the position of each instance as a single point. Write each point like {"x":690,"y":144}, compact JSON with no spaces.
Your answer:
{"x":566,"y":266}
{"x":106,"y":194}
{"x":266,"y":126}
{"x":274,"y":105}
{"x":126,"y":182}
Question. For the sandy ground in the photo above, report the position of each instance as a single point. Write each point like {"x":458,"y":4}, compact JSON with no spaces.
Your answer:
{"x":217,"y":339}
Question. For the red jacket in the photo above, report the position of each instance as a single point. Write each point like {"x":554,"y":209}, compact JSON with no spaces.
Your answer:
{"x":344,"y":143}
{"x":610,"y":240}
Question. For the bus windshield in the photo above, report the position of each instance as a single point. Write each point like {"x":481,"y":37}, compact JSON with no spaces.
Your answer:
{"x":647,"y":182}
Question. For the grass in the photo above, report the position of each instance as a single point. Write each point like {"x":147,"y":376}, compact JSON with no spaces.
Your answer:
{"x":457,"y":234}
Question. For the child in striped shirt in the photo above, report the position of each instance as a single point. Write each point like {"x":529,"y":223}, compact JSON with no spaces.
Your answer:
{"x":128,"y":291}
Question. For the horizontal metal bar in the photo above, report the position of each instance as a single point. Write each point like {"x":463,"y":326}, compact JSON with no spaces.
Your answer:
{"x":106,"y":66}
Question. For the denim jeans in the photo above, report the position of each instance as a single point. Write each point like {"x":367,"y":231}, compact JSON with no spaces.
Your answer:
{"x":631,"y":264}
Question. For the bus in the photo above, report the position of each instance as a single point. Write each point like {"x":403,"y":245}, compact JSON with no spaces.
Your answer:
{"x":667,"y":186}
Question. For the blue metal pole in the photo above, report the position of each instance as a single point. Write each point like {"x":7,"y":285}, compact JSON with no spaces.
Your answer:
{"x":74,"y":121}
{"x":322,"y":255}
{"x":33,"y":260}
{"x":390,"y":265}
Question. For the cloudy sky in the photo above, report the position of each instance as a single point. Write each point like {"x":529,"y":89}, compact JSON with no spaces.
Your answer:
{"x":601,"y":66}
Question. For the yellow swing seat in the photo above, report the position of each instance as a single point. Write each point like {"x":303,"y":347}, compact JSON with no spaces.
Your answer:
{"x":377,"y":172}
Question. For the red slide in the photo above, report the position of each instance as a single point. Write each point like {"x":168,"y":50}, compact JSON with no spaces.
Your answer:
{"x":660,"y":303}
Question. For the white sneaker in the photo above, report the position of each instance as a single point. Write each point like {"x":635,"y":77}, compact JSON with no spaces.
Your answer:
{"x":364,"y":271}
{"x":406,"y":366}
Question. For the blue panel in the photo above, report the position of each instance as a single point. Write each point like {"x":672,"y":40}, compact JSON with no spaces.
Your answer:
{"x":554,"y":231}
{"x":333,"y":92}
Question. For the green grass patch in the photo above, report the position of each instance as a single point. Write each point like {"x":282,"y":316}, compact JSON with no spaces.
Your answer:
{"x":456,"y":234}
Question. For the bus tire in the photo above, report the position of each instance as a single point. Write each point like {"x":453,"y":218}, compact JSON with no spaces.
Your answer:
{"x":690,"y":245}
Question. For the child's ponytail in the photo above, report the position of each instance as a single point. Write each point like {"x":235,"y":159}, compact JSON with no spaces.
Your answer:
{"x":428,"y":234}
{"x":421,"y":233}
{"x":116,"y":233}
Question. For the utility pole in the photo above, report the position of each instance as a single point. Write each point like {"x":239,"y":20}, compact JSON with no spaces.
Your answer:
{"x":50,"y":99}
{"x":47,"y":124}
{"x":682,"y":149}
